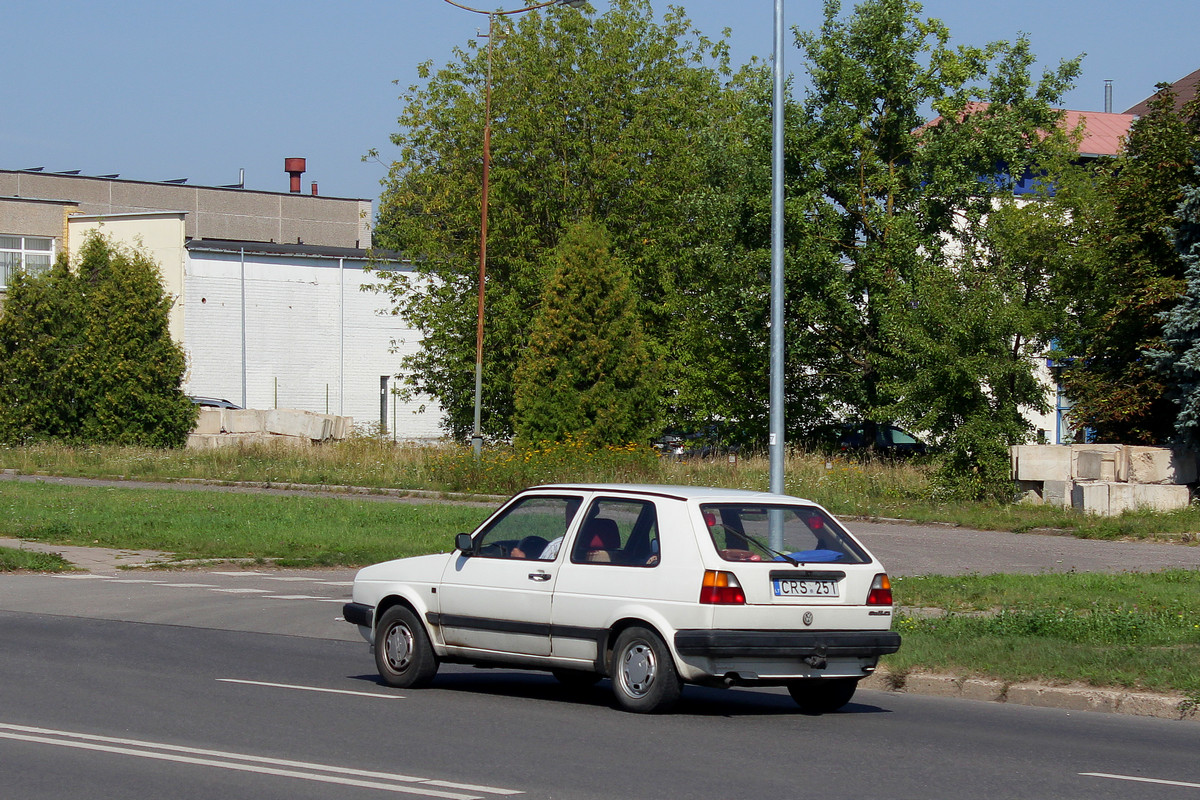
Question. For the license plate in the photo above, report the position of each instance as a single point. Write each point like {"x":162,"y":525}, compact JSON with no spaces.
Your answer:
{"x":805,"y":587}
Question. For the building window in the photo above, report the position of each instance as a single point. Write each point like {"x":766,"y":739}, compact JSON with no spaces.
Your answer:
{"x":33,"y":254}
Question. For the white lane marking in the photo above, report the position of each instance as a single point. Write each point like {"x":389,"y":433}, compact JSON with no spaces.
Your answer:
{"x":336,"y":583}
{"x":312,"y":689}
{"x":277,"y":578}
{"x":136,"y":580}
{"x":239,"y":574}
{"x":124,"y":747}
{"x":189,"y":585}
{"x":299,"y":597}
{"x":243,"y":591}
{"x":1136,"y":779}
{"x":82,"y":577}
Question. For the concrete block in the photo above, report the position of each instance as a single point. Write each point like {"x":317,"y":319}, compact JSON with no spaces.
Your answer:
{"x":1160,"y":497}
{"x":1090,"y":498}
{"x":1121,"y":498}
{"x":209,"y":421}
{"x":200,"y":441}
{"x":342,"y":427}
{"x":1029,"y":492}
{"x":1160,"y":465}
{"x":243,"y":420}
{"x":1057,"y":493}
{"x":1096,"y":465}
{"x":1042,"y":462}
{"x":1077,"y":449}
{"x":286,"y":422}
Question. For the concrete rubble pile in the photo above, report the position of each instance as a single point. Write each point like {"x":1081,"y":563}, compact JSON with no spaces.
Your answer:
{"x":1104,"y":479}
{"x":224,"y":427}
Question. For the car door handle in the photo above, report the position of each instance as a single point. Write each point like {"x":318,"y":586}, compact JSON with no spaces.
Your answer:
{"x":539,"y":576}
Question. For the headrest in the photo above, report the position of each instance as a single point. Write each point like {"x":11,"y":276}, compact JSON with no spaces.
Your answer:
{"x":602,"y":534}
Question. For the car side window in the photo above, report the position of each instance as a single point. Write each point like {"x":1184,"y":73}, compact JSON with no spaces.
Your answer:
{"x":530,"y":529}
{"x":618,"y":531}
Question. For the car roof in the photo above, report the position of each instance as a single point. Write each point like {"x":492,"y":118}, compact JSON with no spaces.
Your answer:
{"x":698,"y":493}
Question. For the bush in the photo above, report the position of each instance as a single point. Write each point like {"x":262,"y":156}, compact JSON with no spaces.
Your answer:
{"x":86,"y":355}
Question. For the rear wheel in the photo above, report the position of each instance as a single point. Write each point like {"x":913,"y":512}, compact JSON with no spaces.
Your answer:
{"x":822,"y":695}
{"x":643,"y":673}
{"x":403,"y":654}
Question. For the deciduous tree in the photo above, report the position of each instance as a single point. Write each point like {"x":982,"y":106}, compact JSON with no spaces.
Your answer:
{"x":601,"y":116}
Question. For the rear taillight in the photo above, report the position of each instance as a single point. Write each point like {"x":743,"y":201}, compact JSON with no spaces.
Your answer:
{"x":721,"y":589}
{"x":881,"y":591}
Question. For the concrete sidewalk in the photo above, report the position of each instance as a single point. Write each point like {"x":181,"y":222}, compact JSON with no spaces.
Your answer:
{"x":99,"y":560}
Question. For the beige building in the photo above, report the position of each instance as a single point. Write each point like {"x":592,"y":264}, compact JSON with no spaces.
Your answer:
{"x":267,"y":286}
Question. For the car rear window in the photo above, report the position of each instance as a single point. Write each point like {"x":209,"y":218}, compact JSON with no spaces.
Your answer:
{"x":742,"y":532}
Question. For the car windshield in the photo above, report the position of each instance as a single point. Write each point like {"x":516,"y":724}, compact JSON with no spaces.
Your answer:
{"x":741,"y":532}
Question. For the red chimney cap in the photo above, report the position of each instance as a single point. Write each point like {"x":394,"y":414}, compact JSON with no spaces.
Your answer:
{"x":293,"y":165}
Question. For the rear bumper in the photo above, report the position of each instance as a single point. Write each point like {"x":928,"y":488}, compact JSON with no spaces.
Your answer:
{"x":724,"y":644}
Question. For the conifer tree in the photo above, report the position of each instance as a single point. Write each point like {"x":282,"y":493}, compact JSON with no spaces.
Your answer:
{"x":587,"y":372}
{"x":1179,"y":359}
{"x":86,"y":355}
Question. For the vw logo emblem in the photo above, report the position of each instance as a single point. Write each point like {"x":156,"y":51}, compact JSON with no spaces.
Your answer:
{"x":808,"y":618}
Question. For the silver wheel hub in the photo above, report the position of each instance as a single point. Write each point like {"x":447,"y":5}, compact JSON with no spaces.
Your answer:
{"x":398,"y":645}
{"x":638,"y":669}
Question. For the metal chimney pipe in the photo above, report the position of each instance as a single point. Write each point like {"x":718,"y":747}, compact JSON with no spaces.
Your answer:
{"x":295,"y":168}
{"x":314,"y":188}
{"x":1108,"y":97}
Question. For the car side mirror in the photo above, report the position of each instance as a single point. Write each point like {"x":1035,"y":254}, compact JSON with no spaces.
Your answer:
{"x":463,"y":542}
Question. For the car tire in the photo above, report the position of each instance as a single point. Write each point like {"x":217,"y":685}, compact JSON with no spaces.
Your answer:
{"x":403,"y":655}
{"x":576,"y":679}
{"x":822,"y":695}
{"x":643,"y":672}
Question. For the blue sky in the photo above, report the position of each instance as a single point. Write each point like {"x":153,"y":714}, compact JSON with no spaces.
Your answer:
{"x":159,"y":90}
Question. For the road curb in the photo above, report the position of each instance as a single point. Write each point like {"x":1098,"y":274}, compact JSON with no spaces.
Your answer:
{"x":1075,"y":697}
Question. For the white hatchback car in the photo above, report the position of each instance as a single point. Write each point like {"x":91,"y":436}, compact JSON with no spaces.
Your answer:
{"x":651,"y":586}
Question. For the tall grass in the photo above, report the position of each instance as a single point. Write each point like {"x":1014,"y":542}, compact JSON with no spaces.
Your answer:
{"x":847,"y":486}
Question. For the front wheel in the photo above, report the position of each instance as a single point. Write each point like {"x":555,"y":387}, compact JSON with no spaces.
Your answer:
{"x":643,"y":673}
{"x":822,"y":695}
{"x":403,"y":655}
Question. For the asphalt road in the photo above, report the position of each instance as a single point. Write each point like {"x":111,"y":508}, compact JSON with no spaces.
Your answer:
{"x":227,"y":683}
{"x":103,"y":709}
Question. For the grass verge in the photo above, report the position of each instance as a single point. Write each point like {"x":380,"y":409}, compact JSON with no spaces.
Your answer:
{"x":291,"y":530}
{"x":849,"y":487}
{"x":1137,"y":631}
{"x":12,"y":560}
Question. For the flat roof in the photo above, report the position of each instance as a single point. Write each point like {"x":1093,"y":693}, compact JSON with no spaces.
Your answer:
{"x":278,"y":249}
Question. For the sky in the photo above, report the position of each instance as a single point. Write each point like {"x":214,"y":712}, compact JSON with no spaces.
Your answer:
{"x":158,"y":90}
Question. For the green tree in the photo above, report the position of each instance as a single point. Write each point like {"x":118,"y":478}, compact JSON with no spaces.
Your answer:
{"x":86,"y":354}
{"x":604,"y":116}
{"x":586,"y":372}
{"x":1179,"y":359}
{"x":1124,"y":274}
{"x":40,"y":332}
{"x":901,"y":301}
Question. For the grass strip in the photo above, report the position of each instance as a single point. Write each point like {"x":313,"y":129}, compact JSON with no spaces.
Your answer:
{"x":291,"y":530}
{"x":13,"y":560}
{"x":847,"y":486}
{"x":1134,"y":630}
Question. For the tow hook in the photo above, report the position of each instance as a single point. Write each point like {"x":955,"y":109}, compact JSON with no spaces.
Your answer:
{"x":817,"y":660}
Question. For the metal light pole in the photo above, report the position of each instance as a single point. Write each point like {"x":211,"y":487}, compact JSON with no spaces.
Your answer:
{"x":777,"y":430}
{"x":477,"y":432}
